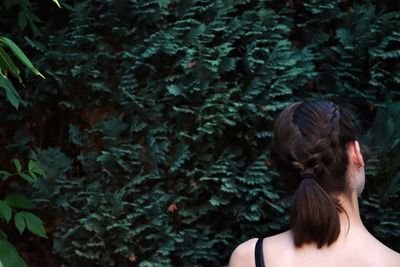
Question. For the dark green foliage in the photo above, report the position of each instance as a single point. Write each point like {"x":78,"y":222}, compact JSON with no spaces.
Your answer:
{"x":154,"y":123}
{"x":381,"y":207}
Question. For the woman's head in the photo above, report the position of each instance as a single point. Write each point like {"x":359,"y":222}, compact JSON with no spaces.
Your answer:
{"x":312,"y":137}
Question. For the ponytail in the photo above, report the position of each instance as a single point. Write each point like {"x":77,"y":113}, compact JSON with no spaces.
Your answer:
{"x":314,"y":216}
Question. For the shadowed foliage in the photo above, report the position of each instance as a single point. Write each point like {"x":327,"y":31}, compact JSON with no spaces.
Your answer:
{"x":154,"y":123}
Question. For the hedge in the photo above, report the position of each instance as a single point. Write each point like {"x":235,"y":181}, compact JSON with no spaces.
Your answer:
{"x":153,"y":124}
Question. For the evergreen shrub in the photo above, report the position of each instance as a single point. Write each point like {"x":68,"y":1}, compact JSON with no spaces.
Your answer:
{"x":154,"y":122}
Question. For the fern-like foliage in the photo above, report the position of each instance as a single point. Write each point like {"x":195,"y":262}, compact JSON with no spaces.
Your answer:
{"x":154,"y":124}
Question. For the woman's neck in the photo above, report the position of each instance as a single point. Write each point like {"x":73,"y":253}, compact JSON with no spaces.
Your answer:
{"x":350,"y":219}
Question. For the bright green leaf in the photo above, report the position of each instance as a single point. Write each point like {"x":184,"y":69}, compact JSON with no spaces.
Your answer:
{"x":31,"y":165}
{"x":9,"y":256}
{"x":18,"y":165}
{"x":34,"y":224}
{"x":6,"y":63}
{"x":20,"y":55}
{"x":19,"y":222}
{"x":38,"y":170}
{"x":33,"y":168}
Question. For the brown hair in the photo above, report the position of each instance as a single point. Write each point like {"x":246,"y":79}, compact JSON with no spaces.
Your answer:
{"x":310,"y":141}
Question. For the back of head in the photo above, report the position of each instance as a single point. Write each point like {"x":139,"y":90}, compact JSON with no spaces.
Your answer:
{"x":310,"y":151}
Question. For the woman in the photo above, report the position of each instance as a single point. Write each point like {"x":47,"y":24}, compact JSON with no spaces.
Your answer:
{"x":315,"y":149}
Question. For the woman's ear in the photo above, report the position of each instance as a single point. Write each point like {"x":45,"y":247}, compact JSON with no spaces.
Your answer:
{"x":357,"y":162}
{"x":355,"y":155}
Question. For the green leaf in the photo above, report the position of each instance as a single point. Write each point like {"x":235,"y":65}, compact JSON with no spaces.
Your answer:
{"x":38,"y":170}
{"x":12,"y":94}
{"x":9,"y":256}
{"x":18,"y":165}
{"x":33,"y":168}
{"x":33,"y":176}
{"x":19,"y":201}
{"x":31,"y":165}
{"x":19,"y":222}
{"x":5,"y":210}
{"x":20,"y":55}
{"x":4,"y":175}
{"x":26,"y":177}
{"x":6,"y":63}
{"x":34,"y":224}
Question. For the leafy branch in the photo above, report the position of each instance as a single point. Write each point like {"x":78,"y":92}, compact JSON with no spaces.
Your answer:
{"x":17,"y":205}
{"x":7,"y":66}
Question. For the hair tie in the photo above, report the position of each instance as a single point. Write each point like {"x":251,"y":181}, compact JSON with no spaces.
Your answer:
{"x":307,"y":175}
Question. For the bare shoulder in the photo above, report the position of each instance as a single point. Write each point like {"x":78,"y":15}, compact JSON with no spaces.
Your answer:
{"x":386,"y":255}
{"x":364,"y":249}
{"x":392,"y":258}
{"x":279,"y":247}
{"x":284,"y":238}
{"x":243,"y":255}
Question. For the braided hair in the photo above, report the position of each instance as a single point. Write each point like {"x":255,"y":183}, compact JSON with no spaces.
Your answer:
{"x":310,"y":151}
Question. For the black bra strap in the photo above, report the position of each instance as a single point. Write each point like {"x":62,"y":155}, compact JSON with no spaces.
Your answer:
{"x":259,"y":253}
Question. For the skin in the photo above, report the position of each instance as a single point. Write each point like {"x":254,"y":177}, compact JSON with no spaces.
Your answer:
{"x":355,"y":248}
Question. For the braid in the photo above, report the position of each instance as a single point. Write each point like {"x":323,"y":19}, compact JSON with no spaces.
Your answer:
{"x":323,"y":153}
{"x":334,"y":134}
{"x":325,"y":150}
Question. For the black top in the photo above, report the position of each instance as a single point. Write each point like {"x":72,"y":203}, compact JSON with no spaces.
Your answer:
{"x":259,"y":253}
